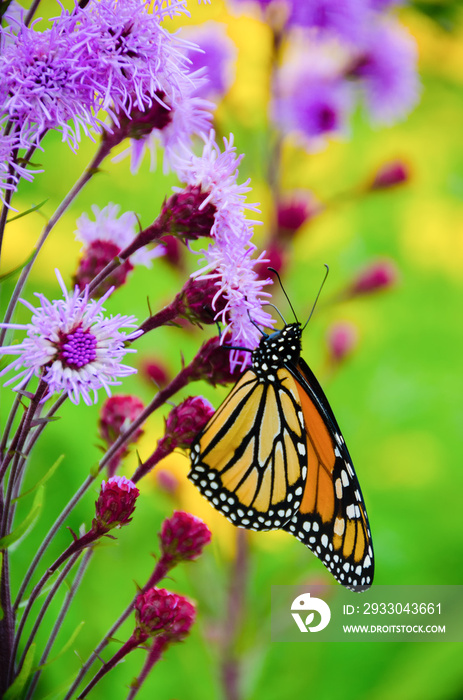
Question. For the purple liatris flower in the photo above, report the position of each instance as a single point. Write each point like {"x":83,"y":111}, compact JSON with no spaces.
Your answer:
{"x":119,"y":230}
{"x":103,"y":239}
{"x":385,"y":68}
{"x":229,"y":258}
{"x":159,"y":611}
{"x":72,"y":346}
{"x":217,"y":56}
{"x":344,"y":19}
{"x":313,"y":99}
{"x":115,"y":504}
{"x":183,"y":536}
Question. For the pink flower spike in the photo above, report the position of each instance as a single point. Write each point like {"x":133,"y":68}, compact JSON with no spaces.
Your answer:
{"x":115,"y":504}
{"x":183,"y":536}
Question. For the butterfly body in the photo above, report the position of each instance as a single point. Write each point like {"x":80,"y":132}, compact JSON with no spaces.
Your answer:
{"x":273,"y":457}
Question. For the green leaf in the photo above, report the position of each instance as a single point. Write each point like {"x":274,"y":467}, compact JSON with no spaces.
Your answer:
{"x":17,"y":269}
{"x":43,"y":480}
{"x":28,"y":211}
{"x":18,"y":532}
{"x":17,"y":688}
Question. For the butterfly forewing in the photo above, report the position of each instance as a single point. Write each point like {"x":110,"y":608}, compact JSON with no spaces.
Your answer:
{"x":249,"y":461}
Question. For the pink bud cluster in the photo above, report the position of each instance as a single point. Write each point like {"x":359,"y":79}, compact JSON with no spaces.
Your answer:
{"x":115,"y":504}
{"x":183,"y":537}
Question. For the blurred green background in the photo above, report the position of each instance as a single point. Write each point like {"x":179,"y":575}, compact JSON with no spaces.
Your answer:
{"x":398,"y":397}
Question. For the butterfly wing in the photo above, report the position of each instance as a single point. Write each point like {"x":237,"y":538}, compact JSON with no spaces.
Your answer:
{"x":250,"y":460}
{"x":332,"y":519}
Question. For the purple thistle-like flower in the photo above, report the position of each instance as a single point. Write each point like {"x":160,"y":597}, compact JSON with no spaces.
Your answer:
{"x":46,"y":85}
{"x":188,"y":115}
{"x":217,"y":56}
{"x":344,"y":19}
{"x":386,"y":72}
{"x":110,"y":56}
{"x":120,"y":231}
{"x":115,"y":504}
{"x":312,"y":99}
{"x":72,"y":346}
{"x":229,"y":261}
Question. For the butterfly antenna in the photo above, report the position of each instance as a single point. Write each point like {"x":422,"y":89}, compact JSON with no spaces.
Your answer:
{"x":272,"y":269}
{"x":268,"y":303}
{"x":317,"y":297}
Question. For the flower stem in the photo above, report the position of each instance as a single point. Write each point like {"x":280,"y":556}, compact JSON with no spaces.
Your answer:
{"x":59,"y":621}
{"x":129,"y":645}
{"x":159,"y":573}
{"x":43,"y":610}
{"x":236,"y":604}
{"x":154,"y":655}
{"x":6,"y":623}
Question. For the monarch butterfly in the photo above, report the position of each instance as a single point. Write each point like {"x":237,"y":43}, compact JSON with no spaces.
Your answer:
{"x":273,"y":457}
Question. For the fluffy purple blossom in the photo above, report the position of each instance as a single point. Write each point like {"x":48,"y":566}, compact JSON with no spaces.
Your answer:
{"x":111,"y":56}
{"x":217,"y":56}
{"x":386,"y":72}
{"x":312,"y":97}
{"x":72,"y":346}
{"x":344,"y":19}
{"x":230,"y":264}
{"x":120,"y":231}
{"x":188,"y":115}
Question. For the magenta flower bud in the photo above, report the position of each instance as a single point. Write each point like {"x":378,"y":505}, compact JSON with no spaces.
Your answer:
{"x":183,"y":536}
{"x":276,"y":257}
{"x":390,"y":174}
{"x":201,"y":300}
{"x":185,"y":214}
{"x":97,"y":255}
{"x":173,"y":250}
{"x":167,"y":481}
{"x":186,"y":420}
{"x":115,"y":504}
{"x":158,"y":611}
{"x":212,"y":363}
{"x":294,"y":211}
{"x":375,"y":277}
{"x":117,"y":414}
{"x":156,"y":372}
{"x":341,"y":339}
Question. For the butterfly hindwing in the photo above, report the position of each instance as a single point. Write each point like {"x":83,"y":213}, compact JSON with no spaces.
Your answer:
{"x":332,"y":519}
{"x":273,"y":457}
{"x":249,"y":461}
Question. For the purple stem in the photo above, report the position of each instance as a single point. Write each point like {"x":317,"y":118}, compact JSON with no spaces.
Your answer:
{"x":160,"y":571}
{"x":59,"y":621}
{"x":130,"y":644}
{"x":160,"y":644}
